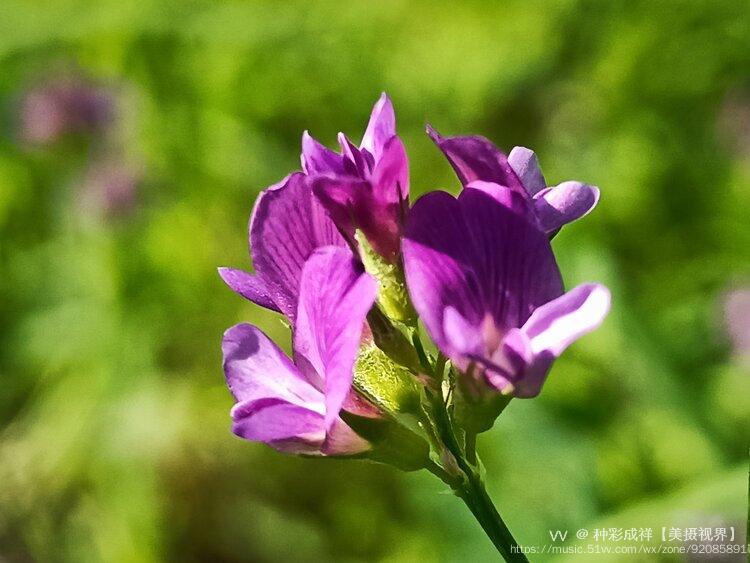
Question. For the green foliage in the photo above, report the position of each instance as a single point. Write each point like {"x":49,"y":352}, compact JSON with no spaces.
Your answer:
{"x":114,"y":439}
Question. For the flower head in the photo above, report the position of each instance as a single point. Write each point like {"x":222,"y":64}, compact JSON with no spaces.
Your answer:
{"x":365,"y":187}
{"x":294,"y":406}
{"x":484,"y":280}
{"x":337,"y":250}
{"x":480,"y":164}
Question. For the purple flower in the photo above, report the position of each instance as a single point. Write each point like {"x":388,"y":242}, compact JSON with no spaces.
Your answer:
{"x":479,"y":164}
{"x":737,"y":320}
{"x":62,"y":107}
{"x":287,"y":225}
{"x":111,"y":189}
{"x":294,"y":406}
{"x":365,"y":187}
{"x":485,"y":283}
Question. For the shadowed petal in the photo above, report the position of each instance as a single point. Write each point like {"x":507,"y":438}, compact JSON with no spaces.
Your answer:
{"x":476,"y":158}
{"x":248,"y":286}
{"x":373,"y":205}
{"x":356,"y":162}
{"x":319,"y":159}
{"x":335,"y":296}
{"x":438,"y":272}
{"x":391,"y":173}
{"x":256,"y":368}
{"x":347,"y":199}
{"x":288,"y":224}
{"x":513,"y":200}
{"x":381,"y":128}
{"x":564,"y":203}
{"x":524,"y":163}
{"x":269,"y":420}
{"x":342,"y":440}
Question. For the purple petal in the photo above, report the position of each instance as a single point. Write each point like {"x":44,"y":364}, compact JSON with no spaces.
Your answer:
{"x":476,"y":158}
{"x":248,"y":286}
{"x":356,"y":162}
{"x":564,"y":203}
{"x":464,"y":338}
{"x":269,"y":420}
{"x":288,"y":224}
{"x":275,"y":402}
{"x":342,"y":440}
{"x":319,"y":159}
{"x":335,"y":297}
{"x":479,"y":257}
{"x":391,"y":173}
{"x":255,"y":368}
{"x":554,"y":326}
{"x":557,"y":324}
{"x":349,"y":200}
{"x":514,"y":201}
{"x":374,"y":206}
{"x":524,"y":163}
{"x":381,"y":128}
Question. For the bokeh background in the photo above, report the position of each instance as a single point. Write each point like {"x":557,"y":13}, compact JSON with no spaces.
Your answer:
{"x":134,"y":138}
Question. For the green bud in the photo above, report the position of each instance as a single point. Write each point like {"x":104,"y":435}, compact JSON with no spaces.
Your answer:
{"x":475,"y":411}
{"x":389,"y":385}
{"x":392,"y":443}
{"x":393,"y":296}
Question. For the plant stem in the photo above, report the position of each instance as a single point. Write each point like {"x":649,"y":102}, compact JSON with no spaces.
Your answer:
{"x":474,"y":494}
{"x":469,"y":487}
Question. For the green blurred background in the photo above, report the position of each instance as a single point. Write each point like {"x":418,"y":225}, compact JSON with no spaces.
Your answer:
{"x":114,"y":427}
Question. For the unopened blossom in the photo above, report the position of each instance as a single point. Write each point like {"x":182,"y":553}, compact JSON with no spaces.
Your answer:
{"x":478,"y":163}
{"x":287,"y":225}
{"x":62,"y":107}
{"x":485,"y":283}
{"x":110,"y":189}
{"x":737,"y":320}
{"x":364,"y":187}
{"x":294,"y":405}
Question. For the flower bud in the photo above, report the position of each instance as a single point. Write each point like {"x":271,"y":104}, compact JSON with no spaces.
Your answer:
{"x":388,"y":385}
{"x":391,"y":443}
{"x":393,"y":296}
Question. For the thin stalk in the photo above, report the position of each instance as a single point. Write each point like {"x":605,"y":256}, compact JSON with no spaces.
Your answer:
{"x":470,"y":488}
{"x":471,"y":447}
{"x":474,"y":495}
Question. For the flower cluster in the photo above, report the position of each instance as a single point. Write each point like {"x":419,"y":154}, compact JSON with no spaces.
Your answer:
{"x":340,"y":252}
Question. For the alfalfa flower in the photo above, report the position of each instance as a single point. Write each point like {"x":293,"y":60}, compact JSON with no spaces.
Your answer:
{"x":486,"y":285}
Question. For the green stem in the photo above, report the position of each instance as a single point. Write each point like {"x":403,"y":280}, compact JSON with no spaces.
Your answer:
{"x":469,"y":487}
{"x":474,"y":495}
{"x":471,"y":447}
